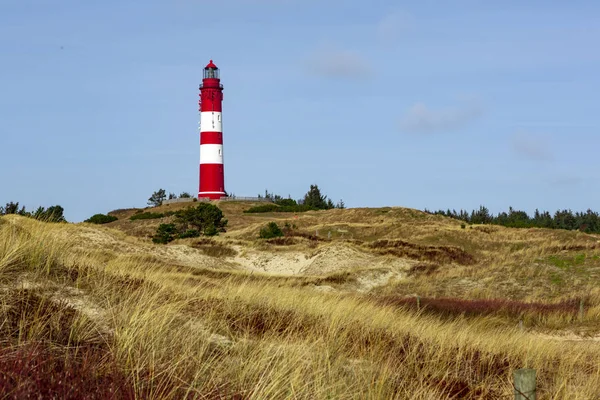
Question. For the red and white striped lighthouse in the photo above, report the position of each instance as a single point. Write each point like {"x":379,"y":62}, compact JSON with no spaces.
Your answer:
{"x":212,"y":178}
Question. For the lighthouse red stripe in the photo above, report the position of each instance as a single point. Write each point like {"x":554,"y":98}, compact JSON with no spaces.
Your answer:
{"x":211,"y":180}
{"x":211,"y":138}
{"x":211,"y":99}
{"x":207,"y":105}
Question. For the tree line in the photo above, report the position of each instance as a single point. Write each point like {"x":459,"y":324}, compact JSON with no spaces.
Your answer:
{"x":160,"y":196}
{"x":313,"y":199}
{"x":50,"y":214}
{"x":588,"y":221}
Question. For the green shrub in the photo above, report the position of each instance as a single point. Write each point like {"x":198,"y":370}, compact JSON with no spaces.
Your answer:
{"x":190,"y":233}
{"x":165,"y":233}
{"x":146,"y":215}
{"x":270,"y":231}
{"x":205,"y":217}
{"x":101,"y":219}
{"x":286,"y":202}
{"x":51,"y":214}
{"x":210,"y":230}
{"x":264,"y":208}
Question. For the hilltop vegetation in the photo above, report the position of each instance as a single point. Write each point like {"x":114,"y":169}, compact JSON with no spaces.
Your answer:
{"x":50,"y":214}
{"x":588,"y":221}
{"x":325,"y":308}
{"x":313,"y":200}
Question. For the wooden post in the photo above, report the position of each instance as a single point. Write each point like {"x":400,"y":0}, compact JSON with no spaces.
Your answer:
{"x":524,"y":383}
{"x":418,"y":303}
{"x":581,"y":310}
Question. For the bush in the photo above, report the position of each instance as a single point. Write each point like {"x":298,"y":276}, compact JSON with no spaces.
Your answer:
{"x":211,"y":231}
{"x":51,"y":214}
{"x":205,"y":217}
{"x":101,"y":219}
{"x":263,"y":208}
{"x":272,"y":230}
{"x":190,"y":233}
{"x":13,"y":208}
{"x":286,"y":202}
{"x":165,"y":233}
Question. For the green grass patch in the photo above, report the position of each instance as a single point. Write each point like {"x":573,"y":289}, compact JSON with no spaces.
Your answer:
{"x":567,"y":263}
{"x":101,"y":219}
{"x":556,"y":279}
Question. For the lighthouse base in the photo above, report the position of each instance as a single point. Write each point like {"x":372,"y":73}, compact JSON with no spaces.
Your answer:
{"x":212,"y":195}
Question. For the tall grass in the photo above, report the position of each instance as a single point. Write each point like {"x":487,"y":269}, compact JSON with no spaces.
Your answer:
{"x":155,"y":330}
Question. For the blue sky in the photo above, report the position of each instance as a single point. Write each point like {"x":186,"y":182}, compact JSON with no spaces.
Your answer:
{"x":423,"y":104}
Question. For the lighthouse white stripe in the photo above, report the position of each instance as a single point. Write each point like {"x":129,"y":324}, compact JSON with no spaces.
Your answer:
{"x":211,"y":154}
{"x":210,"y":121}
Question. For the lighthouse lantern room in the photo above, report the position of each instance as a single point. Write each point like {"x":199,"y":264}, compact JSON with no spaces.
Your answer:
{"x":212,"y":178}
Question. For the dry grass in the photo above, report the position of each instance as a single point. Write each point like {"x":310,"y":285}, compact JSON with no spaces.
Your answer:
{"x":90,"y":311}
{"x":212,"y":248}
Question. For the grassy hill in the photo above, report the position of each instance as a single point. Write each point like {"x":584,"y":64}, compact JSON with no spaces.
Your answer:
{"x":354,"y":304}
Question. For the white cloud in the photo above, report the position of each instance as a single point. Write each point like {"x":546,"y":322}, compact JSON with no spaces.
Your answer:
{"x":393,"y":25}
{"x":422,"y":119}
{"x":531,"y":146}
{"x":331,"y":61}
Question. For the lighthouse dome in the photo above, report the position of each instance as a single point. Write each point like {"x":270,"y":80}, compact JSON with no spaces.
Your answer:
{"x":211,"y":65}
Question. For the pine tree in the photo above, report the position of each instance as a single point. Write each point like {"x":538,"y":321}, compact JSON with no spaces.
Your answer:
{"x":314,"y":198}
{"x":157,"y":198}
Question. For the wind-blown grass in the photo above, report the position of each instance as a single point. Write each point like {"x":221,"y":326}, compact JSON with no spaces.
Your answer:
{"x":114,"y":322}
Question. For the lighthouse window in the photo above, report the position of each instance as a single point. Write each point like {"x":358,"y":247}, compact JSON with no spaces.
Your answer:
{"x":219,"y":151}
{"x":211,"y":73}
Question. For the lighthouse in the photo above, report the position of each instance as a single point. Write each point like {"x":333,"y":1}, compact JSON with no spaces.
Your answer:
{"x":212,"y":177}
